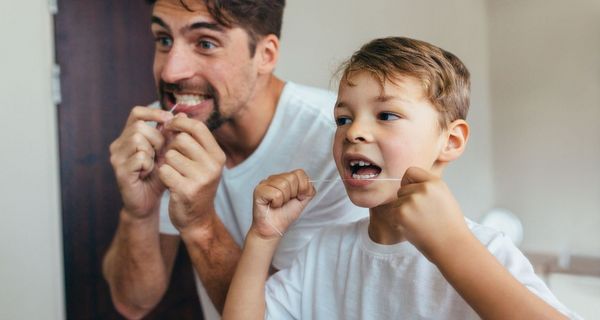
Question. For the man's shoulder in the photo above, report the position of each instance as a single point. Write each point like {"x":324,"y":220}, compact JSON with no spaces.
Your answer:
{"x":308,"y":96}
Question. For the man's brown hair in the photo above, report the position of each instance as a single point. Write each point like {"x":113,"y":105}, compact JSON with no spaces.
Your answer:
{"x":445,"y":79}
{"x":258,"y":17}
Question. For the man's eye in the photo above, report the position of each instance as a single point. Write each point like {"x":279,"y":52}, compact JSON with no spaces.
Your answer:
{"x":206,"y":45}
{"x":340,"y":121}
{"x":387,"y":116}
{"x":163,"y":42}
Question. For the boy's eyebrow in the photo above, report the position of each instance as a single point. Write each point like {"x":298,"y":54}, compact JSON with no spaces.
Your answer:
{"x":386,"y":98}
{"x":340,"y":104}
{"x":194,"y":26}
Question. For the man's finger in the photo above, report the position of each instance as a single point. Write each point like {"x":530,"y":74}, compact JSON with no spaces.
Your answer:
{"x":147,"y":114}
{"x":198,"y":130}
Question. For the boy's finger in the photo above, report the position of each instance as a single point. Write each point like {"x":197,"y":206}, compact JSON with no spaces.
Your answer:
{"x":305,"y":188}
{"x":415,"y":175}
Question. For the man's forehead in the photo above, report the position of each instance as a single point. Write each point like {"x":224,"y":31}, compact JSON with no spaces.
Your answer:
{"x":187,"y":8}
{"x":190,"y":5}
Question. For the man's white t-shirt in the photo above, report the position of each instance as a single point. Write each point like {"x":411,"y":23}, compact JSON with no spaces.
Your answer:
{"x":300,"y":136}
{"x":343,"y":274}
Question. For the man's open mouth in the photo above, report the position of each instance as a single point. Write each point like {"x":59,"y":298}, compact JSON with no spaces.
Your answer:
{"x":361,"y":169}
{"x":189,"y":99}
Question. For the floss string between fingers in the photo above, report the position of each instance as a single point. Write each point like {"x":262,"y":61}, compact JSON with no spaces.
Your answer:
{"x":268,"y":220}
{"x":270,"y":223}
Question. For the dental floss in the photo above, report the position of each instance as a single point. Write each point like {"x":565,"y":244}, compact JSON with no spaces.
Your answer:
{"x":173,"y":108}
{"x":269,"y":222}
{"x":313,"y":181}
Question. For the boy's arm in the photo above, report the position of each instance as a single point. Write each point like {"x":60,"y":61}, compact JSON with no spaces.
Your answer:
{"x":430,"y":218}
{"x":486,"y":285}
{"x":278,"y":201}
{"x":246,"y":297}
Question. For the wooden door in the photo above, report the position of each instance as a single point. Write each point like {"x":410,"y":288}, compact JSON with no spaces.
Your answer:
{"x":104,"y":49}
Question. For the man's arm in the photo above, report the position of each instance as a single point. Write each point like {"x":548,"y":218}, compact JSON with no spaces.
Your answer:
{"x":214,"y":254}
{"x":138,"y":265}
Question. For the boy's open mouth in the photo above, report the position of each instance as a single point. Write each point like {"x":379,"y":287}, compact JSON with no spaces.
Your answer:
{"x":361,"y":169}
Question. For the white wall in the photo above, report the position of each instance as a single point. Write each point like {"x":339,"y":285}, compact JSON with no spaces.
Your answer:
{"x":319,"y":35}
{"x":546,"y":110}
{"x":30,"y":241}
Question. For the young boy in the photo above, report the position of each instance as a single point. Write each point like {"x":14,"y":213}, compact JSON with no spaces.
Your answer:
{"x":400,"y":117}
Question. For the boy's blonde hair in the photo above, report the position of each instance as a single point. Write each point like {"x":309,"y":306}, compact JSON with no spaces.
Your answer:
{"x":445,"y":79}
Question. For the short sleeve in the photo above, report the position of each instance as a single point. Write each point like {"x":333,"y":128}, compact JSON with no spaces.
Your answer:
{"x":519,"y":266}
{"x":165,"y":224}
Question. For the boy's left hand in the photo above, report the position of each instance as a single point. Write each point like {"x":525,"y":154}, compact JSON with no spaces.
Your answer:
{"x":427,"y":214}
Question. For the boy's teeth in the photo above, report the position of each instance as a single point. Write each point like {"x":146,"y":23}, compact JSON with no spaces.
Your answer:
{"x":365,"y":176}
{"x":360,"y":163}
{"x":188,"y":99}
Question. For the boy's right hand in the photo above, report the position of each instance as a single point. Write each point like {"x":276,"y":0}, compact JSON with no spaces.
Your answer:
{"x":278,"y":202}
{"x":132,"y":156}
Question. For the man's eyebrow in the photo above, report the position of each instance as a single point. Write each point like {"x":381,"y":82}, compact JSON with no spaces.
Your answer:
{"x":159,"y":21}
{"x":204,"y":25}
{"x":194,"y":26}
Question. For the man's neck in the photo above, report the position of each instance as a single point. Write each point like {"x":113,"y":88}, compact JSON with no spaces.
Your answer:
{"x":240,"y":137}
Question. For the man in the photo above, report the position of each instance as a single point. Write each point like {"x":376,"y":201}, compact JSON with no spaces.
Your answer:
{"x":235,"y":124}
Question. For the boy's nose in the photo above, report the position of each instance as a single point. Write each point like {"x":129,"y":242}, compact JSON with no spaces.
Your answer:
{"x":179,"y":65}
{"x":358,"y":132}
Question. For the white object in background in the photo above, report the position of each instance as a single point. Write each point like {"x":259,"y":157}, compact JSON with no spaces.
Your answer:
{"x":506,"y":222}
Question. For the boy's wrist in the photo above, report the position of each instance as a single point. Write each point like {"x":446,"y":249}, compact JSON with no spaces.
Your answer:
{"x":457,"y":247}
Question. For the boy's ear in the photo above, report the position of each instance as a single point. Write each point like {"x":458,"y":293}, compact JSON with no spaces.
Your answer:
{"x":267,"y":51}
{"x":457,"y":135}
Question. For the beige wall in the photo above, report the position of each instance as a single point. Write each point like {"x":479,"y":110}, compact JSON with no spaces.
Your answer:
{"x":319,"y":35}
{"x":30,"y":240}
{"x":546,"y":108}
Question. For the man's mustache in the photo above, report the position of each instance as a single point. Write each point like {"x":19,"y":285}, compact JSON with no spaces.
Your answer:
{"x":179,"y":87}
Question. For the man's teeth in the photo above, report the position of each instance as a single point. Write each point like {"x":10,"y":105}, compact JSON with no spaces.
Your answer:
{"x":363,"y":176}
{"x":189,"y":99}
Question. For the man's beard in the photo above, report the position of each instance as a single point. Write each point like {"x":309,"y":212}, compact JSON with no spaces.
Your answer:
{"x":215,"y":118}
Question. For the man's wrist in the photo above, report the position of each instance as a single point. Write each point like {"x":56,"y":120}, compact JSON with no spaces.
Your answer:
{"x":129,"y":218}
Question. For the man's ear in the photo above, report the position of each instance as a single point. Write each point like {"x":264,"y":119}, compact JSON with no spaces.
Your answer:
{"x":267,"y":51}
{"x":456,"y":137}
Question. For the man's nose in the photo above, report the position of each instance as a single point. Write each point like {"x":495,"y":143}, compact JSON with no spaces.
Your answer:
{"x":359,"y":132}
{"x":179,"y":65}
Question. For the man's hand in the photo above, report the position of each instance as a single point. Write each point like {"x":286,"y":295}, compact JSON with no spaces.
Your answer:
{"x":426,"y":213}
{"x":192,"y":168}
{"x":132,"y":156}
{"x":283,"y":197}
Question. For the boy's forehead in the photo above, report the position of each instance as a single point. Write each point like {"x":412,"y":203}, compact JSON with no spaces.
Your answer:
{"x":383,"y":86}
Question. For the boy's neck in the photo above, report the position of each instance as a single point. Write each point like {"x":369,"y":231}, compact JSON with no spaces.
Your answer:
{"x":381,"y":229}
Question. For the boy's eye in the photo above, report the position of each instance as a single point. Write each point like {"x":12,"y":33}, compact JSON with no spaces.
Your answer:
{"x":387,"y":116}
{"x":206,"y":45}
{"x":340,"y":121}
{"x":163,"y":42}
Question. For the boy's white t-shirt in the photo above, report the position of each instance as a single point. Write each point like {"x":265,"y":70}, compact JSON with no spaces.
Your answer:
{"x":300,"y":136}
{"x":343,"y":274}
